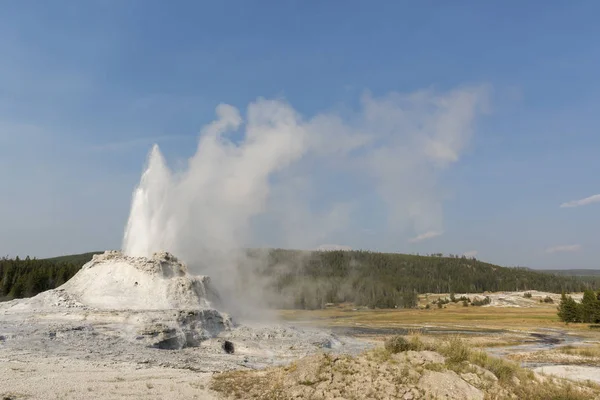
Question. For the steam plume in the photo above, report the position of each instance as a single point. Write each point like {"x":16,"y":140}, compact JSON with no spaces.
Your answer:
{"x":231,"y":188}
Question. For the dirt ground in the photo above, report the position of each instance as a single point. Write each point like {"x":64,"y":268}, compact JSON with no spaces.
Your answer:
{"x":32,"y":377}
{"x":95,"y":364}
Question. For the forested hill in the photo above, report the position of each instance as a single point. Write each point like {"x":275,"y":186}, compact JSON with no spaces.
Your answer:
{"x":28,"y":277}
{"x":74,"y":258}
{"x":310,"y":279}
{"x":305,"y":279}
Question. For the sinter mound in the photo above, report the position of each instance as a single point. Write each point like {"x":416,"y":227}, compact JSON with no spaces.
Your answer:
{"x":118,"y":282}
{"x":166,"y":305}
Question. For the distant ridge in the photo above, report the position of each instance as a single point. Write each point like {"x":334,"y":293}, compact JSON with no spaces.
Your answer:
{"x":74,"y":258}
{"x":571,"y":272}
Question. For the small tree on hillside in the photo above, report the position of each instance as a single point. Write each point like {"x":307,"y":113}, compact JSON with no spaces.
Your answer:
{"x":590,"y":307}
{"x":568,"y":309}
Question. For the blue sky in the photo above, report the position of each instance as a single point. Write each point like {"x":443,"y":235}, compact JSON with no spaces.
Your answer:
{"x":87,"y":87}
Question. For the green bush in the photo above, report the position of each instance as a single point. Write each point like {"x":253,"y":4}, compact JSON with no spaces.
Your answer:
{"x":483,"y":302}
{"x":398,"y":344}
{"x":455,"y":350}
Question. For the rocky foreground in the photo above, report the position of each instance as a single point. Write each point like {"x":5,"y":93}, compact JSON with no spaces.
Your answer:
{"x":404,"y":369}
{"x":135,"y":327}
{"x":133,"y":322}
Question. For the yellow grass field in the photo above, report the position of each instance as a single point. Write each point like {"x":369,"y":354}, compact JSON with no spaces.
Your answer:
{"x":453,"y":315}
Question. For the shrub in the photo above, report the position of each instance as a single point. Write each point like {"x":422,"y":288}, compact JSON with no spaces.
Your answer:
{"x":416,"y":343}
{"x":483,"y":302}
{"x":397,"y":344}
{"x":527,"y":295}
{"x":504,"y":370}
{"x":455,"y":350}
{"x":548,"y":299}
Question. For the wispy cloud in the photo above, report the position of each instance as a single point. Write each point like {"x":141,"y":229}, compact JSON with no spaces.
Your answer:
{"x":470,"y":254}
{"x":569,"y":248}
{"x":425,"y":236}
{"x":583,"y":202}
{"x":141,"y":141}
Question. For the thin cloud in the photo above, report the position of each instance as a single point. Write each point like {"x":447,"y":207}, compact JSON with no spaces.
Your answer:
{"x":470,"y":254}
{"x":425,"y":236}
{"x":583,"y":202}
{"x":570,"y":248}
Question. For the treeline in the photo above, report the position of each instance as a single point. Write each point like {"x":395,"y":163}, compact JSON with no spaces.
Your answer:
{"x":587,"y":311}
{"x":313,"y":279}
{"x":27,"y":277}
{"x":310,"y":280}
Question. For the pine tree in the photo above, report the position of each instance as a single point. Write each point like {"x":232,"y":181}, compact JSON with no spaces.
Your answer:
{"x":590,"y":307}
{"x":569,"y":310}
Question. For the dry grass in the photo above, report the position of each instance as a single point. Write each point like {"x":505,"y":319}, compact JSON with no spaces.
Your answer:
{"x":583,"y":351}
{"x":573,"y":355}
{"x":458,"y":355}
{"x":475,"y":317}
{"x":513,"y":381}
{"x":238,"y":384}
{"x":551,"y":392}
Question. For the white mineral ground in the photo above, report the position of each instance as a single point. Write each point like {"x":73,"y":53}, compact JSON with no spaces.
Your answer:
{"x":575,"y":372}
{"x":135,"y":327}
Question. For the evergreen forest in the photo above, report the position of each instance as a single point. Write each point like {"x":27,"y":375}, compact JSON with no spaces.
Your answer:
{"x":587,"y":311}
{"x":387,"y":280}
{"x":310,"y":280}
{"x":27,"y":277}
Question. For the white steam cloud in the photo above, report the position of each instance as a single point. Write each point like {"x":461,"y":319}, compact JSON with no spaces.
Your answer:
{"x":470,"y":254}
{"x":569,"y":248}
{"x":425,"y":236}
{"x":583,"y":202}
{"x":258,"y":174}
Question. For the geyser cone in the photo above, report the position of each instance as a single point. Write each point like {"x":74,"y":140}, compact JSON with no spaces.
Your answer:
{"x":118,"y":282}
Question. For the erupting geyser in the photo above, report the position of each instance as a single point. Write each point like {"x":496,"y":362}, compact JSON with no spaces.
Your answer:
{"x":207,"y":207}
{"x":146,"y":229}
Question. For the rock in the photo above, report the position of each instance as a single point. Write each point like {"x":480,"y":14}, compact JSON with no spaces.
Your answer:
{"x":423,"y":357}
{"x":473,"y":379}
{"x":306,"y":371}
{"x":228,"y":347}
{"x":448,"y":385}
{"x":484,"y":373}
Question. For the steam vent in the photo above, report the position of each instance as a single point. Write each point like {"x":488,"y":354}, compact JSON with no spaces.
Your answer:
{"x":157,"y":297}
